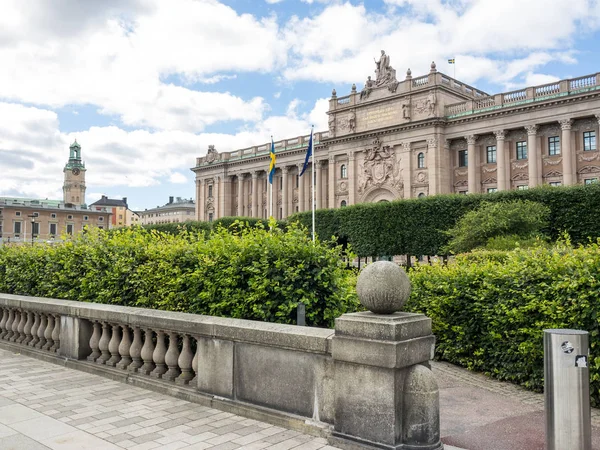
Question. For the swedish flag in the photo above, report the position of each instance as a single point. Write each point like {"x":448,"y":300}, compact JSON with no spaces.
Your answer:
{"x":451,"y":61}
{"x":272,"y":163}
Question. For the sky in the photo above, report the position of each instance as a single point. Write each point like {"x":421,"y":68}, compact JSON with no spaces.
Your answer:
{"x":146,"y":85}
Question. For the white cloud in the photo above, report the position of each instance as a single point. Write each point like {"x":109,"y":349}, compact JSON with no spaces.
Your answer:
{"x":178,"y":178}
{"x":273,"y":2}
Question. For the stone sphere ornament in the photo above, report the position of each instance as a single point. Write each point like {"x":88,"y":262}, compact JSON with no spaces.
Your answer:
{"x":383,"y":287}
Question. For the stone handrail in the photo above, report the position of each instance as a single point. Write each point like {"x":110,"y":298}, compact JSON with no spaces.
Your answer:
{"x":531,"y":94}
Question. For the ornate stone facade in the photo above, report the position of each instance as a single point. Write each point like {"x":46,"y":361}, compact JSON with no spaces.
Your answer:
{"x":421,"y":136}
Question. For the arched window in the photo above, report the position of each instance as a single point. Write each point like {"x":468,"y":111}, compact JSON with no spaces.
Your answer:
{"x":421,"y":195}
{"x":421,"y":160}
{"x":343,"y":204}
{"x":344,"y":171}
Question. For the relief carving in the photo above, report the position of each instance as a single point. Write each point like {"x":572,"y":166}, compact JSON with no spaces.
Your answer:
{"x":380,"y":167}
{"x":553,"y":173}
{"x":342,"y":188}
{"x":347,"y":122}
{"x":549,"y":130}
{"x":421,"y":177}
{"x":552,"y":162}
{"x":426,"y":106}
{"x":584,"y":125}
{"x":490,"y":180}
{"x":461,"y":183}
{"x":460,"y":173}
{"x":589,"y":169}
{"x":489,"y":169}
{"x":458,"y":144}
{"x":520,"y":166}
{"x":589,"y":158}
{"x":520,"y":176}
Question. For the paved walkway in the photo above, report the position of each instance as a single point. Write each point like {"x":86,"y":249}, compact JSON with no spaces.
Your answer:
{"x":46,"y":406}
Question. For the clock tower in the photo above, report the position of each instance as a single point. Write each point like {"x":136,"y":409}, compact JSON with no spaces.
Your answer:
{"x":74,"y":186}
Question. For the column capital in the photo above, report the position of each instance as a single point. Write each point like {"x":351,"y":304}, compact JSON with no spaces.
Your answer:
{"x":300,"y":166}
{"x":565,"y":124}
{"x":531,"y":129}
{"x":351,"y":155}
{"x":471,"y":139}
{"x":241,"y":176}
{"x":500,"y":135}
{"x":432,"y":142}
{"x":447,"y":143}
{"x":598,"y":117}
{"x":255,"y":175}
{"x":285,"y":169}
{"x":406,"y":146}
{"x":331,"y":159}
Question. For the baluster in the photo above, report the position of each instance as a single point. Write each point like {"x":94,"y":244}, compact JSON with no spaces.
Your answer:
{"x":56,"y":334}
{"x":147,"y":352}
{"x":113,"y":346}
{"x":103,"y":344}
{"x":124,"y":349}
{"x":159,"y":355}
{"x":172,"y":358}
{"x":27,"y":329}
{"x":40,"y":331}
{"x":21,"y":327}
{"x":94,"y":340}
{"x":9,"y":321}
{"x":3,"y":323}
{"x":34,"y":330}
{"x":48,"y":333}
{"x":194,"y":381}
{"x":136,"y":351}
{"x":15,"y":326}
{"x":185,"y":362}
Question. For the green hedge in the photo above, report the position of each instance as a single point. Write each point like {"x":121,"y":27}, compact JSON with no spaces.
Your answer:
{"x":230,"y":223}
{"x":250,"y":273}
{"x":416,"y":226}
{"x":489,"y":310}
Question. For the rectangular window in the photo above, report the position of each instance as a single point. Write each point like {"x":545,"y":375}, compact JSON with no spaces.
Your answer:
{"x":53,"y":215}
{"x":463,"y":158}
{"x":35,"y":228}
{"x":70,"y":217}
{"x":52,"y":229}
{"x":210,"y":217}
{"x":589,"y":141}
{"x":523,"y":187}
{"x":555,"y":183}
{"x":36,"y":214}
{"x":85,"y":217}
{"x":210,"y":188}
{"x":69,"y":228}
{"x":590,"y":180}
{"x":553,"y":145}
{"x":491,"y":154}
{"x":491,"y":190}
{"x":18,"y":213}
{"x":522,"y":150}
{"x":17,"y":227}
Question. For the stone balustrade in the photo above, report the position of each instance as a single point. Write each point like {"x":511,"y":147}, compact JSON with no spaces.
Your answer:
{"x":365,"y":384}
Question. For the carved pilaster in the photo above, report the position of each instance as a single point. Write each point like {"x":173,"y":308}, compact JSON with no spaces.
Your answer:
{"x":565,"y":124}
{"x":471,"y":139}
{"x":531,"y":130}
{"x":432,"y":143}
{"x":500,"y":135}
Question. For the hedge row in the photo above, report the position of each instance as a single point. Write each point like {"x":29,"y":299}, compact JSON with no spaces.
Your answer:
{"x":250,"y":273}
{"x":489,"y":310}
{"x":195,"y":226}
{"x":416,"y":226}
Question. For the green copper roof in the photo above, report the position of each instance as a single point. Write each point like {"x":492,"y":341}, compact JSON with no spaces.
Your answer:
{"x":75,"y":145}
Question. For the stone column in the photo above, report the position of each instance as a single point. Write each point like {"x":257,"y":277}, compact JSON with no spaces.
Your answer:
{"x":201,"y":201}
{"x":284,"y":192}
{"x":532,"y":155}
{"x":351,"y":178}
{"x":406,"y":166}
{"x":385,"y":395}
{"x":301,"y":187}
{"x":472,"y":164}
{"x":198,"y":198}
{"x":433,"y":166}
{"x":332,"y":177}
{"x":255,"y":212}
{"x":216,"y":194}
{"x":319,"y":184}
{"x":567,"y":156}
{"x":500,"y":161}
{"x":240,"y":208}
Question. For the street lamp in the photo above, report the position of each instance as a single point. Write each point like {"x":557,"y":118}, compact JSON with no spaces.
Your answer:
{"x":32,"y":216}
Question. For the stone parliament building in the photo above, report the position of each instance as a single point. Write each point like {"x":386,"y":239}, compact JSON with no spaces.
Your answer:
{"x":422,"y":136}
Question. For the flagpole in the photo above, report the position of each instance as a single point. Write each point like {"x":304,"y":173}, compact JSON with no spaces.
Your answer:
{"x":314,"y":192}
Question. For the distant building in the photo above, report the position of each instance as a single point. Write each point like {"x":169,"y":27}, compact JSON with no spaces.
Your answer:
{"x":122,"y":216}
{"x":36,"y":220}
{"x":177,"y":210}
{"x":412,"y":138}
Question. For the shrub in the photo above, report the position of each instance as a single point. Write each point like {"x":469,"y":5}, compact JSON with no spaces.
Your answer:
{"x":520,"y":219}
{"x":243,"y":272}
{"x":489,"y":313}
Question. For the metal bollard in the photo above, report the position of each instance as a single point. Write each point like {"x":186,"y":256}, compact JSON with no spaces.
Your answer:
{"x":567,"y":390}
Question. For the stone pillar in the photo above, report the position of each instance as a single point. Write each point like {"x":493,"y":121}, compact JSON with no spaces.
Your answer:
{"x":240,"y":208}
{"x":201,"y":201}
{"x":433,"y":166}
{"x":472,"y":164}
{"x":331,"y":173}
{"x":568,"y":160}
{"x":351,"y":178}
{"x":319,"y":184}
{"x":385,"y":395}
{"x":284,"y":192}
{"x":255,"y":209}
{"x":301,"y":187}
{"x":501,"y":161}
{"x":406,"y":166}
{"x":217,"y":197}
{"x":532,"y":155}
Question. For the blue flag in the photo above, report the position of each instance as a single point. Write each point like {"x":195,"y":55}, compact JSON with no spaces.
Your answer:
{"x":309,"y":151}
{"x":272,"y":163}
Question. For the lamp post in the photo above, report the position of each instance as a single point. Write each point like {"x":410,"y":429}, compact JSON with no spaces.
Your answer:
{"x":32,"y":216}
